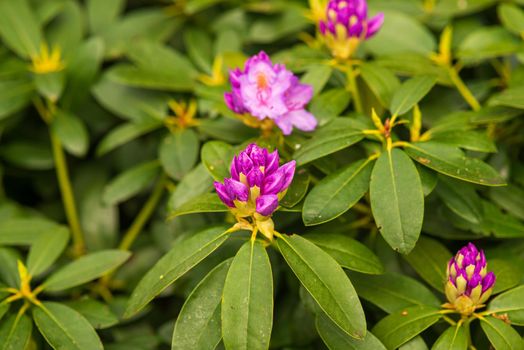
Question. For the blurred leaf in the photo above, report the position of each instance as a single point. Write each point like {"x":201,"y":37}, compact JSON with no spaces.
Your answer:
{"x":461,"y":199}
{"x":216,"y":157}
{"x":500,"y":224}
{"x":9,"y":267}
{"x":317,"y":76}
{"x":101,"y":14}
{"x":85,"y":269}
{"x":512,"y":17}
{"x":329,"y":105}
{"x":397,"y":200}
{"x":206,"y":203}
{"x":46,"y":249}
{"x":325,"y":280}
{"x":297,"y":190}
{"x":197,"y":182}
{"x":410,"y":93}
{"x":198,"y":45}
{"x":488,"y":42}
{"x":454,"y":338}
{"x":130,"y":182}
{"x":19,"y":28}
{"x":501,"y":335}
{"x":247,"y":301}
{"x":271,"y":29}
{"x":381,"y":81}
{"x":64,"y":328}
{"x":125,"y":133}
{"x":15,"y":332}
{"x":97,"y":313}
{"x":178,"y":153}
{"x":25,"y":231}
{"x":72,"y":133}
{"x":510,"y":198}
{"x":510,"y":303}
{"x":15,"y":94}
{"x":28,"y":155}
{"x":508,"y":275}
{"x":512,"y":97}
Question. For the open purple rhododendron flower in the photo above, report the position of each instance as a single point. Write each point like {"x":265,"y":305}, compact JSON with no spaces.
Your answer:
{"x":469,"y":284}
{"x":267,"y":90}
{"x":346,"y":24}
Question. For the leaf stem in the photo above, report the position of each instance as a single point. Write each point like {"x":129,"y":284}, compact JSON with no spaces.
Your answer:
{"x":67,"y":195}
{"x":463,"y":89}
{"x":352,"y":80}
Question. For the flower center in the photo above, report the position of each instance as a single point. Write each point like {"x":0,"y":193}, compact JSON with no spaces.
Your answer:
{"x":262,"y":81}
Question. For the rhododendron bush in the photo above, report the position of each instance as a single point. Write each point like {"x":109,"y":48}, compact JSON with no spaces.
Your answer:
{"x":261,"y":174}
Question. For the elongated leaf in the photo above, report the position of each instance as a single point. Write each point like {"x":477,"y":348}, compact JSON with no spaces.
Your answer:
{"x":501,"y":335}
{"x":64,"y":328}
{"x":85,"y":269}
{"x":511,"y":97}
{"x":125,"y":133}
{"x":336,"y":339}
{"x":179,"y":153}
{"x":487,"y":42}
{"x":247,"y":302}
{"x":508,"y":274}
{"x":216,"y":157}
{"x":329,"y":105}
{"x":196,"y":183}
{"x":19,"y":27}
{"x":9,"y":267}
{"x":450,"y":161}
{"x":410,"y":93}
{"x":15,"y":94}
{"x":317,"y":76}
{"x":392,"y":292}
{"x":198,"y":325}
{"x":72,"y":133}
{"x":337,"y":193}
{"x":206,"y":203}
{"x":46,"y":250}
{"x":96,"y":313}
{"x":511,"y":304}
{"x":430,"y":258}
{"x":348,"y":252}
{"x":454,"y":338}
{"x":397,"y":200}
{"x":298,"y":189}
{"x":461,"y":199}
{"x":325,"y":280}
{"x":402,"y":326}
{"x":25,"y":231}
{"x":183,"y":256}
{"x":130,"y":182}
{"x":15,"y":332}
{"x":381,"y":81}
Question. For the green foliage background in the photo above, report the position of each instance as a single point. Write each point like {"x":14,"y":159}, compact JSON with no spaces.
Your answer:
{"x":132,"y":186}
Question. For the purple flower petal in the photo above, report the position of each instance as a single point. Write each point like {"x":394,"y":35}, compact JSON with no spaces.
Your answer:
{"x":289,"y":171}
{"x":272,"y":161}
{"x":223,"y":194}
{"x":266,"y":204}
{"x":255,"y":178}
{"x":301,"y":119}
{"x":374,"y":24}
{"x":236,"y":190}
{"x":488,"y":281}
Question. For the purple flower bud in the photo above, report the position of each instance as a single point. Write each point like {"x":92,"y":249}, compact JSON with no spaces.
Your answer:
{"x":347,"y":24}
{"x":469,"y":284}
{"x":267,"y":90}
{"x":257,"y":182}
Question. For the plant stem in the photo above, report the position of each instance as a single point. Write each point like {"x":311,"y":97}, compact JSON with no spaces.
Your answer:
{"x":67,"y":195}
{"x":352,"y":80}
{"x":463,"y":89}
{"x":144,"y":214}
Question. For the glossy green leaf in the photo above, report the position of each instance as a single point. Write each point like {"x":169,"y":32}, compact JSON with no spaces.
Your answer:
{"x":403,"y":325}
{"x":511,"y":304}
{"x":430,"y":259}
{"x":85,"y":269}
{"x":397,"y":200}
{"x":19,"y":28}
{"x":327,"y":283}
{"x":46,"y":249}
{"x":247,"y":301}
{"x":216,"y":157}
{"x":381,"y":81}
{"x":182,"y":257}
{"x":410,"y":93}
{"x":348,"y":252}
{"x":329,"y":105}
{"x":196,"y":183}
{"x":206,"y":203}
{"x":71,"y":132}
{"x":392,"y":292}
{"x":64,"y":328}
{"x":471,"y":140}
{"x":336,"y":339}
{"x":297,"y":190}
{"x":508,"y":275}
{"x":461,"y":199}
{"x":198,"y":325}
{"x":15,"y":332}
{"x":96,"y":313}
{"x":337,"y":193}
{"x":131,"y":182}
{"x":178,"y":153}
{"x":452,"y":162}
{"x":453,"y":338}
{"x":501,"y":335}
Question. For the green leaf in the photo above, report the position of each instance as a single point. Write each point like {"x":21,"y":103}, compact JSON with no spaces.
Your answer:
{"x":337,"y":193}
{"x":50,"y":85}
{"x":471,"y":140}
{"x":19,"y":28}
{"x":336,"y":339}
{"x":510,"y":303}
{"x":511,"y":97}
{"x":247,"y":301}
{"x":381,"y":81}
{"x":501,"y":335}
{"x":96,"y":313}
{"x":327,"y":283}
{"x":297,"y":190}
{"x":348,"y":252}
{"x":402,"y":326}
{"x":397,"y":200}
{"x":454,"y":338}
{"x":267,"y":30}
{"x":216,"y":157}
{"x":508,"y":275}
{"x":71,"y":132}
{"x":101,"y":14}
{"x":206,"y":203}
{"x":130,"y":182}
{"x":197,"y":182}
{"x":488,"y":42}
{"x":9,"y":267}
{"x":510,"y":198}
{"x":198,"y":325}
{"x":428,"y":178}
{"x":430,"y":259}
{"x":326,"y":141}
{"x":178,"y":153}
{"x":461,"y":199}
{"x":317,"y":76}
{"x":500,"y":224}
{"x":393,"y":292}
{"x":15,"y":94}
{"x":182,"y":257}
{"x":85,"y":269}
{"x":452,"y":162}
{"x":512,"y":17}
{"x":125,"y":133}
{"x":46,"y":249}
{"x":64,"y":328}
{"x":15,"y":332}
{"x":198,"y":45}
{"x":28,"y":155}
{"x":329,"y":105}
{"x":410,"y":93}
{"x":25,"y":231}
